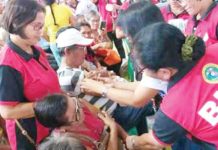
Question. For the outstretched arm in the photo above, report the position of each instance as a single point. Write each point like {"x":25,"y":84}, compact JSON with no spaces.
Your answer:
{"x":113,"y":140}
{"x":136,"y":98}
{"x":165,"y":132}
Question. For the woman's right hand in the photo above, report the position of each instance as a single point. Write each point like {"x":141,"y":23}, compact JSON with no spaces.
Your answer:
{"x":107,"y":119}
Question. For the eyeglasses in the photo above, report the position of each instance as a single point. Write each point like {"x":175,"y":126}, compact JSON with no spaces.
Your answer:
{"x":37,"y":26}
{"x":77,"y":110}
{"x":95,"y":20}
{"x":137,"y":67}
{"x":79,"y":47}
{"x":77,"y":115}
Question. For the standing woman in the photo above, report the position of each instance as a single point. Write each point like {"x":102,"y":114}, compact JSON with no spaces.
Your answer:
{"x":204,"y":21}
{"x":57,"y":16}
{"x":190,"y":106}
{"x":25,"y":74}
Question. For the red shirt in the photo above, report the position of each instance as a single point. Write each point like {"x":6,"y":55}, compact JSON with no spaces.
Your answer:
{"x":206,"y":27}
{"x":192,"y":101}
{"x":92,"y":128}
{"x":25,"y":78}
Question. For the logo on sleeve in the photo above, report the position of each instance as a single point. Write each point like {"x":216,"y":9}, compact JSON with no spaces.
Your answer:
{"x":210,"y":73}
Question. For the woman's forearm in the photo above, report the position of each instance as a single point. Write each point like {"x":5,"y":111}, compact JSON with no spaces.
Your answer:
{"x":113,"y":140}
{"x":22,"y":110}
{"x":121,"y":96}
{"x":126,"y":97}
{"x":126,"y":85}
{"x":137,"y":98}
{"x":122,"y":133}
{"x":107,"y":45}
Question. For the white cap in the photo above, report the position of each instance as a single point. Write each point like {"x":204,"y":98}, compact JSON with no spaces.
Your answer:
{"x":71,"y":37}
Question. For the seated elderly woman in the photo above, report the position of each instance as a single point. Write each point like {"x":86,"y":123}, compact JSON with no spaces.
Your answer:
{"x":74,"y":117}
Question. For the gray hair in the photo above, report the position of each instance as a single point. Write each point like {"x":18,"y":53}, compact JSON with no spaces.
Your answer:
{"x":91,"y":14}
{"x":61,"y":143}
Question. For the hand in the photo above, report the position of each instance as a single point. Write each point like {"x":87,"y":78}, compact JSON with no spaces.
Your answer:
{"x":100,"y":74}
{"x":95,"y":47}
{"x":103,"y":33}
{"x":107,"y":119}
{"x":144,"y":141}
{"x":92,"y":86}
{"x":130,"y":142}
{"x":92,"y":74}
{"x":106,"y":80}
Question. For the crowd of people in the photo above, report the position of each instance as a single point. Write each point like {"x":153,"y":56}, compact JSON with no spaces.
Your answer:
{"x":80,"y":74}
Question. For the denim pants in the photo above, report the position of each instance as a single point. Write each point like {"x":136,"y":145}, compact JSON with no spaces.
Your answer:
{"x":185,"y":144}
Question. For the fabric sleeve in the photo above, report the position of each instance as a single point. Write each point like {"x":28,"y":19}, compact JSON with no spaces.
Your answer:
{"x":149,"y":82}
{"x":11,"y":86}
{"x":165,"y":130}
{"x":69,"y":80}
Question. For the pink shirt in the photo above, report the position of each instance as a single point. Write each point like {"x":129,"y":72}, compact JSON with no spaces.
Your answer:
{"x":192,"y":101}
{"x":107,"y":16}
{"x":206,"y":27}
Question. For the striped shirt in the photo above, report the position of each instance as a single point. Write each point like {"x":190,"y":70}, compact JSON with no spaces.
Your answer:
{"x":70,"y":78}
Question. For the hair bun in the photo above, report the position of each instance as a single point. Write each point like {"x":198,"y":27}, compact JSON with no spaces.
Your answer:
{"x":187,"y":47}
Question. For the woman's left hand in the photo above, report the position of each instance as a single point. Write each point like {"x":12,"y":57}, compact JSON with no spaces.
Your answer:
{"x":92,"y":86}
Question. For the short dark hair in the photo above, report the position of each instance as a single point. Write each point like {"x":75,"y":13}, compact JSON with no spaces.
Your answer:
{"x":159,"y":46}
{"x":19,"y":13}
{"x":137,"y":16}
{"x":69,"y":48}
{"x":51,"y":109}
{"x":62,"y":30}
{"x":82,"y":24}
